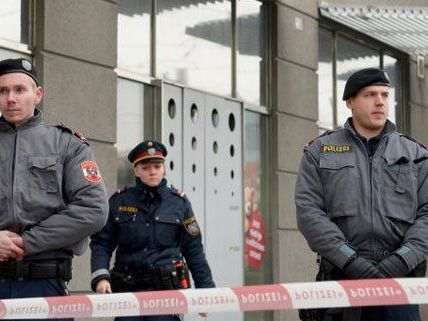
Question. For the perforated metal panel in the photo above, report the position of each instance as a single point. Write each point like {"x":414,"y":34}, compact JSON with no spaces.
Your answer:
{"x":172,"y":133}
{"x":223,"y":181}
{"x":193,"y":152}
{"x":211,"y":176}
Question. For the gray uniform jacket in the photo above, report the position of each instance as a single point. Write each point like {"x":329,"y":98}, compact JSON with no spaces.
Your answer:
{"x":376,"y":205}
{"x":48,"y":193}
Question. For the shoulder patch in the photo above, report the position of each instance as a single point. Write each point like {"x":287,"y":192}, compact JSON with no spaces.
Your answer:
{"x":191,"y":226}
{"x":413,"y":140}
{"x":74,"y":133}
{"x":91,"y":171}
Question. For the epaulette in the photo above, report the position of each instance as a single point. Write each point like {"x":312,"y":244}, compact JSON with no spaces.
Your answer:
{"x":413,"y":140}
{"x":177,"y":192}
{"x":74,"y":133}
{"x":121,"y":190}
{"x":327,"y":132}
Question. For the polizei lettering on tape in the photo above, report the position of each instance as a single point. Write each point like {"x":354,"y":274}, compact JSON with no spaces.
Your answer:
{"x":374,"y":292}
{"x":212,"y":300}
{"x":69,"y":308}
{"x":317,"y":294}
{"x":263,"y":297}
{"x":161,"y":303}
{"x":112,"y":306}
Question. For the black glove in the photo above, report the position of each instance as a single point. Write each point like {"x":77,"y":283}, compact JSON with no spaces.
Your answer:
{"x":393,"y":266}
{"x":361,"y":268}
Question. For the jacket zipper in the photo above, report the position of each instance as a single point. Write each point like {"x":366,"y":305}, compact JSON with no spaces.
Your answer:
{"x":370,"y":164}
{"x":13,"y":175}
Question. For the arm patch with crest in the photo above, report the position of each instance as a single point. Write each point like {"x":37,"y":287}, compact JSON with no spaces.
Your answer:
{"x":191,"y":226}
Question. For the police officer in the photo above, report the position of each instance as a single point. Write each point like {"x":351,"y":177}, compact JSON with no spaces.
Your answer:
{"x":362,"y":198}
{"x":153,"y":228}
{"x":52,"y":196}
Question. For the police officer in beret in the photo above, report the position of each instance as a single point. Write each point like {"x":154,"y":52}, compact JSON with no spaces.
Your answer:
{"x":52,"y":196}
{"x":362,"y":199}
{"x":155,"y":234}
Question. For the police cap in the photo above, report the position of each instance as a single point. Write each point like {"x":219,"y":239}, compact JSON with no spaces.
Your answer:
{"x":363,"y":78}
{"x":148,"y":151}
{"x":21,"y":65}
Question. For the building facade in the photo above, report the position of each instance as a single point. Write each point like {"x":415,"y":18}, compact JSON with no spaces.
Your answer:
{"x":234,"y":88}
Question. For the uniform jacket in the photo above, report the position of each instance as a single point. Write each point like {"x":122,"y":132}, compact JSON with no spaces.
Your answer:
{"x":376,"y":205}
{"x":149,"y":227}
{"x":44,"y":195}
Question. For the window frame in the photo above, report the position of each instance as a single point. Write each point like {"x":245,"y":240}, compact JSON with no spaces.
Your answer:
{"x":153,"y":78}
{"x":338,"y":30}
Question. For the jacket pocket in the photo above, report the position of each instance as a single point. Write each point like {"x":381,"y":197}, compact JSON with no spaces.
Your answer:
{"x":167,"y":229}
{"x":340,"y":181}
{"x":44,"y":172}
{"x":400,"y":190}
{"x":127,"y":229}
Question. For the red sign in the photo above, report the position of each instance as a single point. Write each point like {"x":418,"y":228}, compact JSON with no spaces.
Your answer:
{"x":255,"y":240}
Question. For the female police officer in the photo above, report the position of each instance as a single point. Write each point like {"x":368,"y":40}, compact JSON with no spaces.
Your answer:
{"x":153,"y":228}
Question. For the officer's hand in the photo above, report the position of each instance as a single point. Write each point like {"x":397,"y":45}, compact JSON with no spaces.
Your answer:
{"x":103,"y":287}
{"x":393,"y":266}
{"x":203,"y":314}
{"x":20,"y":243}
{"x":361,"y":268}
{"x":8,"y":246}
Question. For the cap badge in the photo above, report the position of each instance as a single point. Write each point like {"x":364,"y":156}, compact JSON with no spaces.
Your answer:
{"x":386,"y":76}
{"x":151,"y":151}
{"x":150,"y":144}
{"x":26,"y":65}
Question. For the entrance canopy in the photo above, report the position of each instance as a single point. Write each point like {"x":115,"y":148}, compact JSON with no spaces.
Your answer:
{"x":404,"y":28}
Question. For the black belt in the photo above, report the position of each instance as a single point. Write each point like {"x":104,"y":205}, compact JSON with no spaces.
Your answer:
{"x":36,"y":269}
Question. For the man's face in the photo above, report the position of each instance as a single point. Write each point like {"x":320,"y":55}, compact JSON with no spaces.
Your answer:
{"x":19,"y":96}
{"x":370,"y":109}
{"x":150,"y":173}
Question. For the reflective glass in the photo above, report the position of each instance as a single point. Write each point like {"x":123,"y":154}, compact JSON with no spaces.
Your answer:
{"x":14,"y":20}
{"x":325,"y":79}
{"x":130,"y":126}
{"x":193,"y":43}
{"x":133,"y":35}
{"x":257,"y":238}
{"x":351,"y":56}
{"x":393,"y":68}
{"x":251,"y":51}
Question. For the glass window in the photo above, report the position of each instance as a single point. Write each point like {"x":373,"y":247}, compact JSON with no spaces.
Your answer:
{"x":257,"y":239}
{"x":251,"y":52}
{"x":14,"y":21}
{"x":133,"y":37}
{"x":393,"y":68}
{"x":130,"y":127}
{"x":9,"y":54}
{"x":351,"y":56}
{"x":194,"y":43}
{"x":325,"y":79}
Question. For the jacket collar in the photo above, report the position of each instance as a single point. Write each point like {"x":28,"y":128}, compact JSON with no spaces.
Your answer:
{"x":34,"y":120}
{"x":388,"y":129}
{"x":149,"y":192}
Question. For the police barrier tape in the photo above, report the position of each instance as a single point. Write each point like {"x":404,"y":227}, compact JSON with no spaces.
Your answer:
{"x":249,"y":298}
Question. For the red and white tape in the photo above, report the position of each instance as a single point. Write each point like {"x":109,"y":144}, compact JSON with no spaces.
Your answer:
{"x":249,"y":298}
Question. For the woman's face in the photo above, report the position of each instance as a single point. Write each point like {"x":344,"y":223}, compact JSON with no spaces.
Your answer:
{"x":150,"y":173}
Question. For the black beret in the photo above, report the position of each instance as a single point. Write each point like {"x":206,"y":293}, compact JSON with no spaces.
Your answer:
{"x":363,"y":78}
{"x":22,"y":65}
{"x":148,"y":150}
